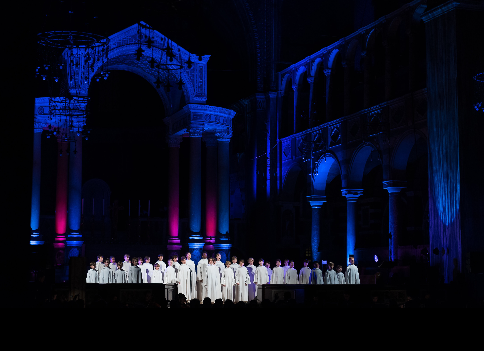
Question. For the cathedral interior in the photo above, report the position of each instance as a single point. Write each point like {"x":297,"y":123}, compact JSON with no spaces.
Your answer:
{"x":306,"y":130}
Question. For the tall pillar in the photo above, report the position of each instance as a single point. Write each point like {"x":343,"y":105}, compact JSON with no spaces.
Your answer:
{"x":316,"y":203}
{"x":195,"y":180}
{"x":75,"y":184}
{"x":211,"y":193}
{"x":327,"y":73}
{"x":393,"y":188}
{"x":61,"y":188}
{"x":311,"y":97}
{"x":173,"y":194}
{"x":223,"y":215}
{"x":35,"y":206}
{"x":351,"y":198}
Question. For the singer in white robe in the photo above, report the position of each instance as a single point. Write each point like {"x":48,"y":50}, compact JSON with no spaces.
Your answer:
{"x":201,"y":278}
{"x":261,"y":275}
{"x":242,"y":281}
{"x":277,"y":275}
{"x":291,"y":276}
{"x":305,"y":275}
{"x":214,"y":290}
{"x":92,"y":276}
{"x":146,"y":272}
{"x":252,"y":288}
{"x":135,"y":275}
{"x":340,"y":278}
{"x":106,"y":276}
{"x":352,"y":276}
{"x":119,"y":277}
{"x":170,"y":275}
{"x":193,"y":274}
{"x":330,"y":276}
{"x":184,"y":281}
{"x":126,"y":265}
{"x":317,"y":276}
{"x":228,"y":282}
{"x":269,"y":272}
{"x":157,"y":276}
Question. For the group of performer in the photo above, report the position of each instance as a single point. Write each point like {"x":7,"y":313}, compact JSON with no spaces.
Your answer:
{"x":211,"y":278}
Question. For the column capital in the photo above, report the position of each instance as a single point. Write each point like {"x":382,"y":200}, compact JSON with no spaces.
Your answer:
{"x":174,"y":140}
{"x":394,"y":186}
{"x":316,"y":201}
{"x":310,"y":80}
{"x":352,"y":194}
{"x":327,"y":72}
{"x":195,"y":130}
{"x":224,"y":135}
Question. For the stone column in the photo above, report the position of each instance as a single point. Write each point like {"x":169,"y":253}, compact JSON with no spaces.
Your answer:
{"x":173,"y":194}
{"x":393,"y":187}
{"x":316,"y":203}
{"x":223,"y":185}
{"x":310,"y":110}
{"x":351,"y":198}
{"x":61,"y":188}
{"x":211,"y":193}
{"x":35,"y":205}
{"x":327,"y":73}
{"x":75,"y":184}
{"x":195,"y":180}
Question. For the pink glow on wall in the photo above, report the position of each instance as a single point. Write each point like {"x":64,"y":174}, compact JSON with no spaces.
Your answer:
{"x":211,"y":214}
{"x":61,"y":190}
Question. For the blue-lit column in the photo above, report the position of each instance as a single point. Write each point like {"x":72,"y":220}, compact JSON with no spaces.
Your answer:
{"x":195,"y":180}
{"x":75,"y":184}
{"x":393,"y":188}
{"x":35,"y":205}
{"x":352,"y":196}
{"x":327,"y":73}
{"x":316,"y":203}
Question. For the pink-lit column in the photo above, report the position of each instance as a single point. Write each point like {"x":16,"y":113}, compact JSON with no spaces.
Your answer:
{"x":174,"y":193}
{"x":223,"y":214}
{"x":195,"y":180}
{"x":61,"y":189}
{"x":211,"y":193}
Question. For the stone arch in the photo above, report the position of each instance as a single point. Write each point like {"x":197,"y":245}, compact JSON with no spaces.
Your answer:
{"x":336,"y":86}
{"x":289,"y":182}
{"x":358,"y":164}
{"x":375,"y":67}
{"x":302,"y":104}
{"x":401,"y":153}
{"x":298,"y":75}
{"x":332,"y":57}
{"x":327,"y":168}
{"x":318,"y":108}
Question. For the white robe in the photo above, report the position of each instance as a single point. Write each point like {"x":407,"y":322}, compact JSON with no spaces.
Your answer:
{"x":191,"y":265}
{"x":157,"y":276}
{"x":162,"y":265}
{"x":329,"y":277}
{"x":317,"y":276}
{"x":269,"y":272}
{"x":119,"y":277}
{"x":242,"y":280}
{"x":252,"y":287}
{"x":146,"y":272}
{"x":285,"y":270}
{"x":184,"y":280}
{"x":99,"y":267}
{"x":134,"y":275}
{"x":214,"y":290}
{"x":278,"y":275}
{"x":126,"y":265}
{"x":234,"y":267}
{"x":176,"y":265}
{"x":305,"y":275}
{"x":220,"y":267}
{"x":170,"y":276}
{"x":352,"y":276}
{"x":261,"y":275}
{"x":228,"y":282}
{"x":340,"y":278}
{"x":201,"y":278}
{"x":92,"y":276}
{"x":291,"y":276}
{"x":106,"y":276}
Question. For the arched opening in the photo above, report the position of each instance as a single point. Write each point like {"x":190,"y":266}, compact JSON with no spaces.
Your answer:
{"x":356,"y":80}
{"x":376,"y":68}
{"x":126,"y":147}
{"x":302,"y":106}
{"x":287,"y":111}
{"x":318,"y":110}
{"x":336,"y":88}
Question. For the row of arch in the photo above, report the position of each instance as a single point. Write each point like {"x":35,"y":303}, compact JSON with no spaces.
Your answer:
{"x":387,"y":63}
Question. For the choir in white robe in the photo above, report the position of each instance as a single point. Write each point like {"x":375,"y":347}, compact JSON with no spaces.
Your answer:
{"x":134,"y":275}
{"x":220,"y":267}
{"x":92,"y":276}
{"x":340,"y":278}
{"x":176,"y":265}
{"x":146,"y":272}
{"x":126,"y":265}
{"x":193,"y":274}
{"x":305,"y":275}
{"x":242,"y":280}
{"x":214,"y":290}
{"x":234,"y":267}
{"x":162,"y":265}
{"x":157,"y":276}
{"x":317,"y":276}
{"x":184,"y":280}
{"x":119,"y":277}
{"x":329,"y":277}
{"x":99,"y":267}
{"x":228,"y":283}
{"x":252,"y":287}
{"x":201,"y":278}
{"x":277,"y":275}
{"x":170,"y":275}
{"x":106,"y":276}
{"x":352,"y":276}
{"x":285,"y":268}
{"x":291,"y":276}
{"x":261,"y":275}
